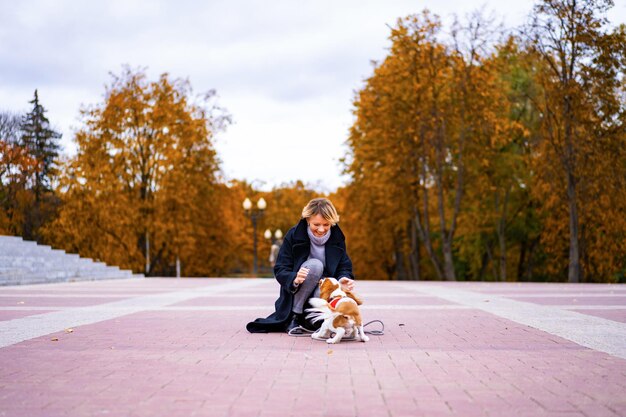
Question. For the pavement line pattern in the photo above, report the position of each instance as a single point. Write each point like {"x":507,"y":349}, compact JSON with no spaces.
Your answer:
{"x":235,"y":308}
{"x":593,"y":332}
{"x":559,"y":295}
{"x":21,"y":329}
{"x":128,"y":294}
{"x":590,"y":307}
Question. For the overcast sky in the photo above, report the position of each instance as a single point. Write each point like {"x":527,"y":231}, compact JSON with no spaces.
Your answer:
{"x":286,"y":70}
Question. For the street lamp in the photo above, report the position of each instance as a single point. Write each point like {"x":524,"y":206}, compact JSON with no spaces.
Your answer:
{"x":275,"y":248}
{"x":277,"y":235}
{"x":254,"y":215}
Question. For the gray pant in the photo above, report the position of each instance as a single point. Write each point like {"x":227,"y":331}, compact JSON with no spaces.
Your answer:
{"x":309,"y":288}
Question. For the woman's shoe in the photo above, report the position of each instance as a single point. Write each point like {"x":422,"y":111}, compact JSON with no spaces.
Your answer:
{"x":294,"y":323}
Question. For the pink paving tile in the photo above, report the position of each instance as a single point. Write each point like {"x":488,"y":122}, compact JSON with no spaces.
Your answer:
{"x":572,"y":300}
{"x":416,"y":301}
{"x":16,"y":314}
{"x":615,"y":315}
{"x":226,"y":301}
{"x":429,"y":363}
{"x":38,"y":290}
{"x":534,"y":287}
{"x":538,"y":286}
{"x":54,"y":301}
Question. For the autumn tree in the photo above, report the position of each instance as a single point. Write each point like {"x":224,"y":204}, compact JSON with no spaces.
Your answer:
{"x":142,"y":190}
{"x":17,"y":167}
{"x":29,"y":153}
{"x":375,"y":239}
{"x":384,"y":160}
{"x":466,"y":149}
{"x":498,"y":200}
{"x":423,"y":121}
{"x":36,"y":145}
{"x":580,"y":159}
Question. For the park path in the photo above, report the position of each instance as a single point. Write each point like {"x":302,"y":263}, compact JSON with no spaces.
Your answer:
{"x":178,"y":347}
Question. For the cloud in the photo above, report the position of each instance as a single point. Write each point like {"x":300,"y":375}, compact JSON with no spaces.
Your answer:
{"x":286,"y":70}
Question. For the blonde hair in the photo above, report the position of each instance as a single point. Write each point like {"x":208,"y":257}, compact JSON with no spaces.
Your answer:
{"x":321,"y":206}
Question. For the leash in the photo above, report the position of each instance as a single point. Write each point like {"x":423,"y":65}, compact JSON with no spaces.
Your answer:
{"x":375,"y":332}
{"x":303,"y":332}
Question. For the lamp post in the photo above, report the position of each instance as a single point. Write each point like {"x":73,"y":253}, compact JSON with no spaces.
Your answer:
{"x":254,"y":215}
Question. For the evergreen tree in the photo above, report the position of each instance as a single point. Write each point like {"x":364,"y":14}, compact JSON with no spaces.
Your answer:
{"x":42,"y":143}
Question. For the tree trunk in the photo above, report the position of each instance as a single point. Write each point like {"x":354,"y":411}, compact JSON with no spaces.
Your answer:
{"x":494,"y":271}
{"x":531,"y":258}
{"x":574,"y":273}
{"x":446,"y":237}
{"x":448,"y":260}
{"x":502,"y":257}
{"x":147,"y":253}
{"x":484,"y":262}
{"x":522,"y":261}
{"x":415,"y":253}
{"x":401,"y":273}
{"x":425,"y":236}
{"x":424,"y":230}
{"x":502,"y":236}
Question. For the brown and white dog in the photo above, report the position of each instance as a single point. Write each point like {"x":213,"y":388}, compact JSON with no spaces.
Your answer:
{"x":340,"y":311}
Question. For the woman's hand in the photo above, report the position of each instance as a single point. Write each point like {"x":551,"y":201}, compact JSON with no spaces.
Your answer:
{"x":301,"y":276}
{"x":347,"y":284}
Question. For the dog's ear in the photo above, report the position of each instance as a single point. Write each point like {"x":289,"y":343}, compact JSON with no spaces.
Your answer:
{"x":354,"y":297}
{"x":326,"y":289}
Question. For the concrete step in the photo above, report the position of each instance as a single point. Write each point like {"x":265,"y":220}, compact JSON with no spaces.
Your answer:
{"x":46,"y":279}
{"x":25,"y":262}
{"x":28,"y":260}
{"x":68,"y":269}
{"x":54,"y":276}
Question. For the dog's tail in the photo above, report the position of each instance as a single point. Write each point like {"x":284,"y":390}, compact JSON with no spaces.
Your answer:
{"x":320,"y":310}
{"x":318,"y":303}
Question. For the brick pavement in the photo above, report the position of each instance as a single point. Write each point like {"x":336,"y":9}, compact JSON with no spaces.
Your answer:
{"x":167,"y":347}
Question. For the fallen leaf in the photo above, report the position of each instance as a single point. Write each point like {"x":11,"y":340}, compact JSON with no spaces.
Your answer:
{"x":70,"y":330}
{"x":55,"y":339}
{"x":401,"y":324}
{"x":329,"y":352}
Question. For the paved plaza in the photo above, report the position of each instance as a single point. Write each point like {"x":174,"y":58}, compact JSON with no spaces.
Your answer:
{"x":178,"y":347}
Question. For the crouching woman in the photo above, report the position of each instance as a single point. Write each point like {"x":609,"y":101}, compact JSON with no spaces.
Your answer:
{"x":312,"y":249}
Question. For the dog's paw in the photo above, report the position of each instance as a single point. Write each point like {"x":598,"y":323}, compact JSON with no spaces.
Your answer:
{"x":317,"y":336}
{"x":331,"y":341}
{"x":365,"y":338}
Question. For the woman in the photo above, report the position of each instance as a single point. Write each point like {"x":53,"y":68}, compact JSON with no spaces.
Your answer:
{"x":312,"y":249}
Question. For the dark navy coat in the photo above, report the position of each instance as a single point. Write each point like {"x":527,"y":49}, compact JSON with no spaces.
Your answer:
{"x":293,"y":253}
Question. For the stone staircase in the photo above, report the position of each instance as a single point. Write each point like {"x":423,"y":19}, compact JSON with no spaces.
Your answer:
{"x":24,"y":262}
